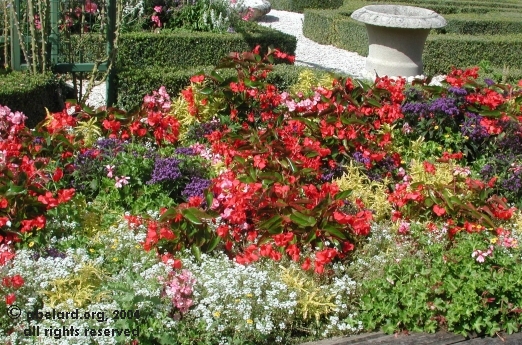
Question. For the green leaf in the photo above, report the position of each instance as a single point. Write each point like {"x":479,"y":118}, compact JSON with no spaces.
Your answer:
{"x":374,"y":102}
{"x":212,"y":244}
{"x":302,"y":219}
{"x":334,"y":232}
{"x":195,"y":215}
{"x":447,"y":199}
{"x":196,"y":252}
{"x":428,"y":202}
{"x":273,"y":176}
{"x":239,"y":159}
{"x":343,"y":195}
{"x":168,"y":214}
{"x":276,"y":220}
{"x":252,"y":174}
{"x":217,"y":76}
{"x":311,"y":236}
{"x":490,"y":113}
{"x":15,"y":190}
{"x":209,"y":197}
{"x":291,"y":164}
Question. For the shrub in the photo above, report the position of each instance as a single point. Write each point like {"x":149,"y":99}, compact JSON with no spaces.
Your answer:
{"x":426,"y":290}
{"x":31,"y":94}
{"x":300,"y":5}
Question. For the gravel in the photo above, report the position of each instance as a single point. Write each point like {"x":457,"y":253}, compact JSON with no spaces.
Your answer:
{"x":310,"y":53}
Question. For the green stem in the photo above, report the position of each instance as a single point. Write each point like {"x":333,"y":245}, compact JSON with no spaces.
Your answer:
{"x":30,"y":18}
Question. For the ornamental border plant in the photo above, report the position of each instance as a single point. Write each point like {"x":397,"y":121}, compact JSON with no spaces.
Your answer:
{"x":276,"y":165}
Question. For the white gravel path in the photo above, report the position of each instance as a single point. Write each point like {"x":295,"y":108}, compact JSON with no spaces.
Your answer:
{"x":310,"y":53}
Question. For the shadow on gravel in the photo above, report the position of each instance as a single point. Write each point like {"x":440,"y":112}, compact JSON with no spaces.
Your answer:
{"x":268,"y":19}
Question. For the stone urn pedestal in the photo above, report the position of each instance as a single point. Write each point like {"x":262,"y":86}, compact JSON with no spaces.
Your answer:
{"x":396,"y":36}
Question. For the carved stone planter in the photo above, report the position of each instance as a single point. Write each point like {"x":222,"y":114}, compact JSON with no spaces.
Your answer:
{"x":396,"y":35}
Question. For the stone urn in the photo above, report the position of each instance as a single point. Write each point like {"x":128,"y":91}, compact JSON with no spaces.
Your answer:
{"x":252,"y":10}
{"x":396,"y":35}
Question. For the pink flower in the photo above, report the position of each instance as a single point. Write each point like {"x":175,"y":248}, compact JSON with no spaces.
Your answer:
{"x":90,"y":7}
{"x":249,"y":14}
{"x":227,"y":213}
{"x":37,"y":23}
{"x":482,"y":255}
{"x":17,"y":118}
{"x":179,"y":289}
{"x":123,"y":180}
{"x":109,"y":169}
{"x":404,"y":228}
{"x":158,"y":9}
{"x":156,"y":20}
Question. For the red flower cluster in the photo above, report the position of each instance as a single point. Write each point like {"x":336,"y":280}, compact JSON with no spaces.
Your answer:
{"x":14,"y":282}
{"x":458,"y":78}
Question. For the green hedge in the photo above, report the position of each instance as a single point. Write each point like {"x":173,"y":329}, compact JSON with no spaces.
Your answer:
{"x":134,"y":85}
{"x":331,"y":28}
{"x":492,"y":5}
{"x":31,"y":94}
{"x":441,"y":7}
{"x":443,"y":51}
{"x":492,"y":23}
{"x":300,"y":5}
{"x":187,"y":49}
{"x":179,"y":48}
{"x":85,"y":48}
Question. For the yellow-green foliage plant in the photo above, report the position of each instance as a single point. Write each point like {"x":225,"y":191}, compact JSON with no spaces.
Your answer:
{"x":88,"y":131}
{"x":372,"y":193}
{"x":312,"y":299}
{"x":309,"y":80}
{"x":80,"y":287}
{"x":205,"y":111}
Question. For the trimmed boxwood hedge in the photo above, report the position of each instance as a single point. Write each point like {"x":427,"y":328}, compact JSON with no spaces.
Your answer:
{"x":300,"y":5}
{"x":195,"y":48}
{"x":181,"y":48}
{"x":492,"y":4}
{"x":492,"y":23}
{"x":443,"y":51}
{"x":31,"y":94}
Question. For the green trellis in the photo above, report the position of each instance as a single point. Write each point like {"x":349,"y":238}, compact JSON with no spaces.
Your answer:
{"x":54,"y":54}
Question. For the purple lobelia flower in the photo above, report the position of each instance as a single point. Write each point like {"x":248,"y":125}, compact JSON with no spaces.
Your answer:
{"x":511,"y":141}
{"x":489,"y":82}
{"x":445,"y":105}
{"x":457,"y":91}
{"x":359,"y":158}
{"x":49,"y":253}
{"x":109,"y":146}
{"x":165,"y":169}
{"x":472,"y":128}
{"x":330,"y":173}
{"x":188,"y":151}
{"x":416,"y":109}
{"x":195,"y":187}
{"x":514,"y":182}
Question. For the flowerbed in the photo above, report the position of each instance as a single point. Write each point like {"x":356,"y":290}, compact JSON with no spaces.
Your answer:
{"x":239,"y":213}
